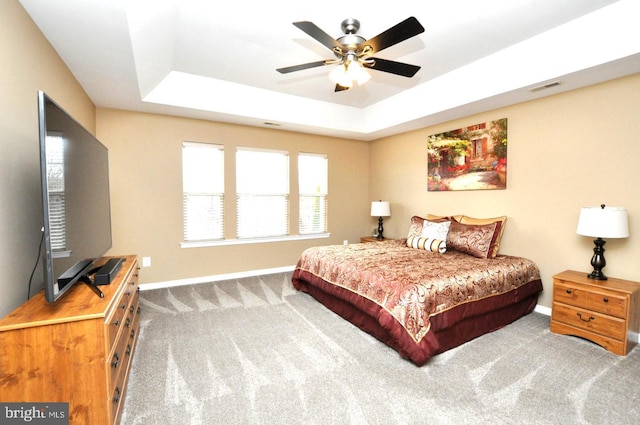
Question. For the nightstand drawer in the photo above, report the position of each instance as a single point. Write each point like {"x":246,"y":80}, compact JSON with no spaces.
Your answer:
{"x":589,"y":320}
{"x":600,"y":300}
{"x":567,"y":293}
{"x":607,"y":303}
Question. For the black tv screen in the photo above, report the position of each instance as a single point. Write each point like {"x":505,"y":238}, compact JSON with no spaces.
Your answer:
{"x":74,"y":169}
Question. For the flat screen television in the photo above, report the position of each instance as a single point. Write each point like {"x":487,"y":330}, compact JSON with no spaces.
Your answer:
{"x":74,"y":169}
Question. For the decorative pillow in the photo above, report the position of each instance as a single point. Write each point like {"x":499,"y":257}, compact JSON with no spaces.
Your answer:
{"x":502,"y":220}
{"x":428,"y":244}
{"x":473,"y":239}
{"x":416,"y":227}
{"x":435,"y":229}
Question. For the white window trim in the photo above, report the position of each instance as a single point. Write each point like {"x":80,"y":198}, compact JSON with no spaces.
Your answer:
{"x":228,"y":242}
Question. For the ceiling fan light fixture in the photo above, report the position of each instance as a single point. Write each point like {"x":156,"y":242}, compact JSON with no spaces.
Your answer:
{"x":340,"y":76}
{"x":349,"y":72}
{"x":357,"y":73}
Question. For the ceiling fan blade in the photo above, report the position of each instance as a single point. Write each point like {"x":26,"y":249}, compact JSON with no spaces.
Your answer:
{"x":406,"y":29}
{"x":340,"y":88}
{"x":314,"y":31}
{"x":300,"y":67}
{"x":393,"y":67}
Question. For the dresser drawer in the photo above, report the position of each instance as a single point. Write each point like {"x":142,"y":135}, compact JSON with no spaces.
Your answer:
{"x":118,"y":317}
{"x":118,"y":385}
{"x":607,"y":303}
{"x":115,"y":321}
{"x":118,"y":358}
{"x":589,"y":320}
{"x":600,"y":300}
{"x":567,"y":293}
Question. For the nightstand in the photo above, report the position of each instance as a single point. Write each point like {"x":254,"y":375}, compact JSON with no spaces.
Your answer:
{"x":603,"y":311}
{"x":364,"y":239}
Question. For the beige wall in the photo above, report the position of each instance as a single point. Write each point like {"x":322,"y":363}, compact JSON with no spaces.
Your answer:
{"x":146,"y":187}
{"x":28,"y":63}
{"x":575,"y":149}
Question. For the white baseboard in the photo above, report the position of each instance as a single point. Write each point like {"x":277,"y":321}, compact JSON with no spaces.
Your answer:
{"x":542,"y":310}
{"x":214,"y":278}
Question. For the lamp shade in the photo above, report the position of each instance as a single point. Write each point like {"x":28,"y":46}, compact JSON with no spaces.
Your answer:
{"x":380,"y":209}
{"x":603,"y":222}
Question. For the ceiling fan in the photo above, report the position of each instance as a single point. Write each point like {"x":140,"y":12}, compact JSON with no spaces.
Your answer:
{"x":354,"y":53}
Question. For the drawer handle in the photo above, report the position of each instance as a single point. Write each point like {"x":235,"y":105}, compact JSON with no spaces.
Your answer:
{"x":123,"y":306}
{"x":116,"y":397}
{"x":115,"y":322}
{"x":569,"y":291}
{"x":116,"y":361}
{"x":129,"y":349}
{"x":127,"y":323}
{"x":585,"y":320}
{"x":605,"y":299}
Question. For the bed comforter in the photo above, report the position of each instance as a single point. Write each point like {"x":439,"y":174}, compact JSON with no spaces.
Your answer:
{"x":419,"y":302}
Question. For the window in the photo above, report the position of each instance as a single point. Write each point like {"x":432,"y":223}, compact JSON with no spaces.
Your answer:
{"x":56,"y":189}
{"x":313,"y":185}
{"x":478,"y":147}
{"x":203,"y":191}
{"x":262,"y":190}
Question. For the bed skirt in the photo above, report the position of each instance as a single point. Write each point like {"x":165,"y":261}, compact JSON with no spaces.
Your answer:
{"x":449,"y":328}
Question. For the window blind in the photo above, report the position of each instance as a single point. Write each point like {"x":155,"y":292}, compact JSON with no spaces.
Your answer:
{"x":313,"y":190}
{"x":262,"y":190}
{"x":203,"y":191}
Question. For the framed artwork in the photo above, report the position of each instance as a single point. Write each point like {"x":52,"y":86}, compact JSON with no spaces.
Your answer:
{"x":469,"y":158}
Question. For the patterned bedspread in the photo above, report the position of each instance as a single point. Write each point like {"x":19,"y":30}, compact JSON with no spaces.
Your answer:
{"x":413,"y":284}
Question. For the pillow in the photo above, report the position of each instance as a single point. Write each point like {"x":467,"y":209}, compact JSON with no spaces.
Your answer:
{"x":435,"y":229}
{"x":477,"y":240}
{"x":502,"y":220}
{"x":428,"y":228}
{"x":415,"y":229}
{"x":428,"y":244}
{"x":433,"y":217}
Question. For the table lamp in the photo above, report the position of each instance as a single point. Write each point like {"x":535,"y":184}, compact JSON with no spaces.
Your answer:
{"x":380,"y":209}
{"x":602,"y":222}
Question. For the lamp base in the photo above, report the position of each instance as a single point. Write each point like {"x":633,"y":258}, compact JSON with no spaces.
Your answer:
{"x":597,"y":261}
{"x":597,"y":275}
{"x":380,"y":228}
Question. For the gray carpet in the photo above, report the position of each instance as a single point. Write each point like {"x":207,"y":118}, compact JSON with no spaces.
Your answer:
{"x":255,"y":351}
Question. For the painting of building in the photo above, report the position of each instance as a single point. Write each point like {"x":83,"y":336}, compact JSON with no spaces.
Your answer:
{"x":469,"y":158}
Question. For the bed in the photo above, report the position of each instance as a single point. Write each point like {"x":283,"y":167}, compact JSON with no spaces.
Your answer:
{"x":423,"y":295}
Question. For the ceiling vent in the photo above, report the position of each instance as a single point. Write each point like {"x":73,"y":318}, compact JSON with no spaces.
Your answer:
{"x":545,"y":86}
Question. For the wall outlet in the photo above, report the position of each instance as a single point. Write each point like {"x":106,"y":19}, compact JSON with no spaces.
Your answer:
{"x":345,"y":242}
{"x":146,"y":261}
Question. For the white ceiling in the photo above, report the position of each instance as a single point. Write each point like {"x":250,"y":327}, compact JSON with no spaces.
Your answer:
{"x":218,"y":60}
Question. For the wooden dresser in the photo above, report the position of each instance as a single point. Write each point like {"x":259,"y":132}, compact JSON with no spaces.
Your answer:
{"x":603,"y":311}
{"x":77,"y":350}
